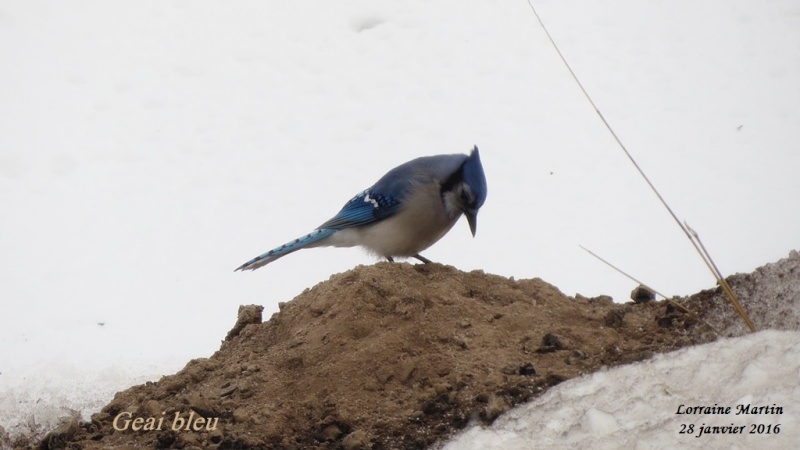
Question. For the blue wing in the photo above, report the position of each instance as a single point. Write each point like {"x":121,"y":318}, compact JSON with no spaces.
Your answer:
{"x":365,"y":208}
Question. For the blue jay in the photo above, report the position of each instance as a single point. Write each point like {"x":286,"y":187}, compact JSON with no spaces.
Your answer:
{"x":405,"y":212}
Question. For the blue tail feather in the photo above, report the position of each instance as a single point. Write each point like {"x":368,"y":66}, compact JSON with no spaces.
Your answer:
{"x":285,"y":249}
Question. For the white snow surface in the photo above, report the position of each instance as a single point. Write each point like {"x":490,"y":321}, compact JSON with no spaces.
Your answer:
{"x":636,"y":406}
{"x":148,"y":148}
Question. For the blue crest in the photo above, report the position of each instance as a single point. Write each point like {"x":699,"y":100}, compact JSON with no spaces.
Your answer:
{"x":474,"y":176}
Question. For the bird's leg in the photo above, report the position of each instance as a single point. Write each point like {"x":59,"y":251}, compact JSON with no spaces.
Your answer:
{"x":423,"y":259}
{"x":390,"y":259}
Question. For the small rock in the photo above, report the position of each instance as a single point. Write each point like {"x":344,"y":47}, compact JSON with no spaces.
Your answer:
{"x":215,"y":436}
{"x":527,"y":370}
{"x":636,"y":356}
{"x":151,"y":408}
{"x":551,"y":340}
{"x":240,"y":416}
{"x":331,"y":432}
{"x":577,"y":355}
{"x":200,"y":404}
{"x":550,"y":343}
{"x":642,"y":294}
{"x":232,"y":371}
{"x":357,"y":440}
{"x":614,"y":318}
{"x":407,"y":371}
{"x":556,"y":378}
{"x":228,"y":389}
{"x":416,"y":416}
{"x":441,"y":388}
{"x":62,"y":434}
{"x":461,"y":342}
{"x":437,"y":405}
{"x":245,"y":389}
{"x":167,"y":438}
{"x":172,"y":384}
{"x":494,"y":407}
{"x":227,"y":404}
{"x":189,"y":440}
{"x":602,"y":299}
{"x":510,"y":369}
{"x":248,"y":314}
{"x":666,"y":321}
{"x":599,"y":300}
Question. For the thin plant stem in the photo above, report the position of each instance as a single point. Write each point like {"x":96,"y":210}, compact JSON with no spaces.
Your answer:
{"x":697,"y":245}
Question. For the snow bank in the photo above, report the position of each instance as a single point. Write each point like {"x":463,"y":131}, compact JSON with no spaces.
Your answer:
{"x":634,"y":407}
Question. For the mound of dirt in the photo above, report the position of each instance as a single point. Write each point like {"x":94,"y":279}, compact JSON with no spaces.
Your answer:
{"x":389,"y":356}
{"x":770,"y":295}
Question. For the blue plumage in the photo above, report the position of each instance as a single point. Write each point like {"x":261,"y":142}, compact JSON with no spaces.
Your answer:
{"x":403,"y":213}
{"x":365,"y":208}
{"x":285,"y":249}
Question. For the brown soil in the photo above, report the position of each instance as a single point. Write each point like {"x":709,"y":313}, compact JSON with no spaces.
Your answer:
{"x":389,"y":356}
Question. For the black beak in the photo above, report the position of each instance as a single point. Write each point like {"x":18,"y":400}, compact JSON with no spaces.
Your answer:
{"x":472,"y":218}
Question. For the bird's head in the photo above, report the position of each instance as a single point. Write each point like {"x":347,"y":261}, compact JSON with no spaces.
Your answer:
{"x":467,"y":190}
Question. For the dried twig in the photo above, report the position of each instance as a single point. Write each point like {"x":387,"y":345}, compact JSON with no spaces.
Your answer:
{"x":691,"y":235}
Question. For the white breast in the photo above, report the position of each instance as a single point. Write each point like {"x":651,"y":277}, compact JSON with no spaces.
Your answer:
{"x":419,"y":224}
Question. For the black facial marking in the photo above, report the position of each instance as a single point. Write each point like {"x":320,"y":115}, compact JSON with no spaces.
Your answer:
{"x":453,"y":180}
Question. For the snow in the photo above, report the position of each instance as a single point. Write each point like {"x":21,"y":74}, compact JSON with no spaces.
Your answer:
{"x":635,"y":406}
{"x":148,"y":148}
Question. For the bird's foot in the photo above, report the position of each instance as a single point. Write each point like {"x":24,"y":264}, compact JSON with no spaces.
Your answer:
{"x":423,"y":259}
